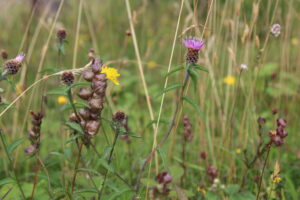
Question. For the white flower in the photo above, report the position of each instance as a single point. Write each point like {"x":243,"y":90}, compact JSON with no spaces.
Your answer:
{"x":243,"y":67}
{"x":275,"y":29}
{"x":216,"y":181}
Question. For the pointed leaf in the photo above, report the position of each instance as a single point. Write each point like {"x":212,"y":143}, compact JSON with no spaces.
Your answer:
{"x":15,"y":144}
{"x":195,"y":76}
{"x":58,"y":91}
{"x":175,"y":69}
{"x":201,"y":68}
{"x":193,"y":103}
{"x":170,"y":87}
{"x":163,"y":156}
{"x":75,"y":127}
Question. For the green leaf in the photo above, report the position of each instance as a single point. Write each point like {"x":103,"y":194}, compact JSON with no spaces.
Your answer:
{"x":91,"y":171}
{"x":107,"y":166}
{"x":201,"y":68}
{"x":163,"y":121}
{"x":193,"y":103}
{"x":176,"y":172}
{"x":6,"y":181}
{"x":15,"y":144}
{"x":78,"y":104}
{"x":89,"y":190}
{"x":75,"y":127}
{"x":168,"y":88}
{"x":58,"y":91}
{"x":175,"y":69}
{"x":129,"y":134}
{"x":195,"y":76}
{"x":81,"y":84}
{"x":232,"y":189}
{"x":118,"y":193}
{"x":267,"y":69}
{"x":163,"y":156}
{"x":73,"y":138}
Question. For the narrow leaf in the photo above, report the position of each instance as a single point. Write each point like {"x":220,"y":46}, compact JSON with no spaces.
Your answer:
{"x":193,"y":103}
{"x":175,"y":69}
{"x":75,"y":127}
{"x":195,"y":76}
{"x":201,"y":68}
{"x":170,"y":87}
{"x":58,"y":91}
{"x":15,"y":144}
{"x":163,"y":156}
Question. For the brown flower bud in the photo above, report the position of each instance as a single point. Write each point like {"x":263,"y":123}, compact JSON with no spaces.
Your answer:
{"x":4,"y":54}
{"x":85,"y":113}
{"x":67,"y":78}
{"x":96,"y":65}
{"x":85,"y":93}
{"x":92,"y":127}
{"x":277,"y":140}
{"x":61,"y":34}
{"x":119,"y":117}
{"x":96,"y":104}
{"x":88,"y":75}
{"x":101,"y":77}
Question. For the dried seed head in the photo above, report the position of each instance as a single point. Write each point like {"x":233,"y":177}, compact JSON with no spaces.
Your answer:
{"x":67,"y":78}
{"x":4,"y":54}
{"x":85,"y":93}
{"x":92,"y":127}
{"x":61,"y":34}
{"x":88,"y":75}
{"x":261,"y":121}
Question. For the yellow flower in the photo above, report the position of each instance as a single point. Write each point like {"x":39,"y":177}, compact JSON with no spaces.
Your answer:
{"x":62,"y":100}
{"x":276,"y":179}
{"x":238,"y":151}
{"x":229,"y":80}
{"x":201,"y":190}
{"x":111,"y":74}
{"x":152,"y":64}
{"x":19,"y":88}
{"x":295,"y":41}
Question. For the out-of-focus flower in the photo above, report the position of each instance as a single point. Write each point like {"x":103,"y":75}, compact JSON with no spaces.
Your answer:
{"x":111,"y":74}
{"x":275,"y":29}
{"x":4,"y":54}
{"x":201,"y":190}
{"x":243,"y":67}
{"x":19,"y":88}
{"x":238,"y":151}
{"x":62,"y":100}
{"x":276,"y":179}
{"x":152,"y":64}
{"x":229,"y":80}
{"x":295,"y":41}
{"x":67,"y":78}
{"x":12,"y":66}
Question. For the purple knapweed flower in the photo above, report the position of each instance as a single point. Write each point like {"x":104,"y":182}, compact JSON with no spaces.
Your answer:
{"x":193,"y":43}
{"x":12,"y":66}
{"x":193,"y":46}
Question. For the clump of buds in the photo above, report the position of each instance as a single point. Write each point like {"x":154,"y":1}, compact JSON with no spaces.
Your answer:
{"x":12,"y":66}
{"x":35,"y":133}
{"x":277,"y":136}
{"x":67,"y":78}
{"x":162,"y":189}
{"x":95,"y":97}
{"x":122,"y":121}
{"x":187,"y":132}
{"x":4,"y":54}
{"x":211,"y":172}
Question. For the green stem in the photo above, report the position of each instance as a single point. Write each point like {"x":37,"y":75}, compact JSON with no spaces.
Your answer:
{"x":11,"y":164}
{"x":109,"y":161}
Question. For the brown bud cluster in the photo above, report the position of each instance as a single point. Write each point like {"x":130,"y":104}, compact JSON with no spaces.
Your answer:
{"x":67,"y":78}
{"x":122,"y":120}
{"x":187,"y":132}
{"x":161,"y":190}
{"x":277,"y":136}
{"x":95,"y":97}
{"x":35,"y":133}
{"x":211,"y":172}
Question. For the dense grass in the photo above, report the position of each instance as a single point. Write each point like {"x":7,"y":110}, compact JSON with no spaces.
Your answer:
{"x":224,"y":116}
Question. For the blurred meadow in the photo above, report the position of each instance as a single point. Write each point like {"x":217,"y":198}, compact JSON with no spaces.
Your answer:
{"x":160,"y":125}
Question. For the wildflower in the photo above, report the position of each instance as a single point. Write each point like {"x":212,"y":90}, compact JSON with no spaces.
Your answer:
{"x":276,"y":179}
{"x":67,"y":78}
{"x":193,"y":46}
{"x":277,"y":136}
{"x":211,"y":172}
{"x":152,"y":64}
{"x":229,"y":80}
{"x":19,"y":88}
{"x":61,"y":34}
{"x":91,"y":54}
{"x":187,"y":132}
{"x":275,"y":29}
{"x":4,"y":54}
{"x":295,"y":41}
{"x":111,"y":74}
{"x":243,"y":67}
{"x":238,"y":151}
{"x":62,"y":100}
{"x":201,"y":190}
{"x":12,"y":66}
{"x":119,"y":117}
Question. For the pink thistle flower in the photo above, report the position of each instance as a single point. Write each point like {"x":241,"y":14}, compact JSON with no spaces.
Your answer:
{"x":193,"y":43}
{"x":19,"y":58}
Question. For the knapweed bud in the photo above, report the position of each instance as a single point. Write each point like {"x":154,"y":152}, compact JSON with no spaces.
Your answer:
{"x":212,"y":172}
{"x":261,"y":121}
{"x":193,"y":46}
{"x":277,"y":140}
{"x":96,"y":104}
{"x":281,"y":122}
{"x":275,"y":30}
{"x":61,"y":34}
{"x":96,"y":65}
{"x":91,"y":54}
{"x":67,"y":78}
{"x":4,"y":54}
{"x":274,"y":111}
{"x":85,"y":93}
{"x":119,"y":117}
{"x":85,"y":113}
{"x":92,"y":127}
{"x":30,"y":150}
{"x":12,"y":66}
{"x":203,"y":155}
{"x":88,"y":75}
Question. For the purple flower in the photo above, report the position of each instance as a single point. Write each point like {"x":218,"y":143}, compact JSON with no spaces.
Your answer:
{"x":193,"y":43}
{"x":20,"y":57}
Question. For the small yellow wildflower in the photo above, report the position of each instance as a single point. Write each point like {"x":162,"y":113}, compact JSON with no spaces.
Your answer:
{"x":19,"y":88}
{"x":295,"y":41}
{"x":152,"y":64}
{"x":238,"y":151}
{"x":62,"y":100}
{"x":201,"y":190}
{"x":276,"y":179}
{"x":111,"y":74}
{"x":229,"y":80}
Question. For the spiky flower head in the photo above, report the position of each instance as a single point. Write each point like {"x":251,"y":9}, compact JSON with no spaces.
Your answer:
{"x":67,"y":78}
{"x":275,"y":29}
{"x":111,"y":74}
{"x":193,"y":46}
{"x":12,"y":66}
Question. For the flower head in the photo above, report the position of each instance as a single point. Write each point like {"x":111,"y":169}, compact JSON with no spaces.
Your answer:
{"x":243,"y":67}
{"x":238,"y":151}
{"x":12,"y":66}
{"x":111,"y":74}
{"x":275,"y":29}
{"x":193,"y":43}
{"x":67,"y":78}
{"x":62,"y":100}
{"x":276,"y":179}
{"x":20,"y":57}
{"x":229,"y":80}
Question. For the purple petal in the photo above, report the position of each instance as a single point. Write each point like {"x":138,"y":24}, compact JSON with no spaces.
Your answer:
{"x":193,"y":43}
{"x":20,"y":57}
